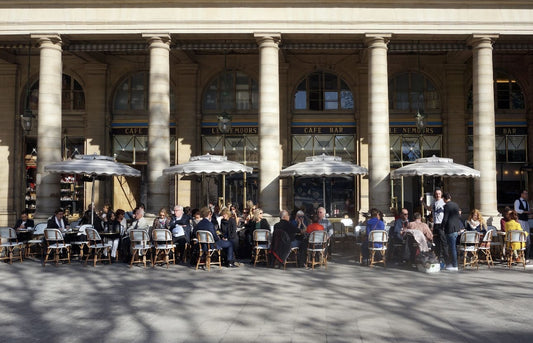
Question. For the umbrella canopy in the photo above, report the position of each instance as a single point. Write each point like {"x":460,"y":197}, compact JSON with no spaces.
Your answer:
{"x":207,"y":165}
{"x":323,"y":165}
{"x":435,"y":166}
{"x":93,"y":166}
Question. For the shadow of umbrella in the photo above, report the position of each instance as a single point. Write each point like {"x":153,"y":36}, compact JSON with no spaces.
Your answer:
{"x":207,"y":165}
{"x":323,"y":166}
{"x":92,"y":166}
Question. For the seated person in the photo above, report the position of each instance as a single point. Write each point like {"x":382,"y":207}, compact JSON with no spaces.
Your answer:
{"x":58,"y":220}
{"x":395,"y":235}
{"x":475,"y":222}
{"x":418,"y":236}
{"x":221,"y":243}
{"x":180,"y":226}
{"x":314,"y":226}
{"x":374,"y":223}
{"x":23,"y":222}
{"x":505,"y":217}
{"x":139,"y":223}
{"x":300,"y":221}
{"x":346,"y":220}
{"x":513,"y":224}
{"x":285,"y":225}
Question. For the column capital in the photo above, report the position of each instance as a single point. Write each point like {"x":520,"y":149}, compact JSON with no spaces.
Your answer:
{"x":158,"y":40}
{"x":476,"y":40}
{"x":48,"y":39}
{"x":263,"y":38}
{"x":374,"y":39}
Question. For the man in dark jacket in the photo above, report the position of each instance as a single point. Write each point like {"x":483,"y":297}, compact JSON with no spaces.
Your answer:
{"x":452,"y":224}
{"x":207,"y":225}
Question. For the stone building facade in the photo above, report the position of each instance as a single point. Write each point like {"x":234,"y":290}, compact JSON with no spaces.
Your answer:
{"x":147,"y":81}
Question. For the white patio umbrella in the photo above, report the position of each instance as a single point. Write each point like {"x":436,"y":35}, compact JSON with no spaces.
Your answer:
{"x":323,"y":166}
{"x":207,"y":165}
{"x":92,"y":166}
{"x":435,"y":166}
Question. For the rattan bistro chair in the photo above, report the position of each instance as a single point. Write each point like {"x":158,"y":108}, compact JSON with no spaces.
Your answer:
{"x":140,"y":246}
{"x":469,"y":248}
{"x":36,"y":240}
{"x":377,"y":242}
{"x":515,"y":245}
{"x":207,"y":250}
{"x":163,"y":246}
{"x":56,"y":243}
{"x":97,"y":247}
{"x":485,"y":248}
{"x":316,"y":249}
{"x":8,"y":244}
{"x":261,"y":245}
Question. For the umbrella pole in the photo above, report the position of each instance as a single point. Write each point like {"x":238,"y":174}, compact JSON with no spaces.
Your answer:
{"x":244,"y":192}
{"x":92,"y":202}
{"x":324,"y":193}
{"x":422,"y":190}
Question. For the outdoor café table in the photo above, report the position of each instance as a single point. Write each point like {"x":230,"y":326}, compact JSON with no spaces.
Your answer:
{"x":109,"y":236}
{"x":24,"y":235}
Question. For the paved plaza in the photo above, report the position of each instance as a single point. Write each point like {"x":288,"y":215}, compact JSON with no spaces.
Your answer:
{"x":345,"y":303}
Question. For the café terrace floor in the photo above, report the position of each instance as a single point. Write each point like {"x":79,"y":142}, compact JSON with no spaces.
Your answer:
{"x":345,"y":303}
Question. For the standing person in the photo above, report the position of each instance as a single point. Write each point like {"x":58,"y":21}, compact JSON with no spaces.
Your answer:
{"x":521,"y":207}
{"x":451,"y":223}
{"x":439,"y":237}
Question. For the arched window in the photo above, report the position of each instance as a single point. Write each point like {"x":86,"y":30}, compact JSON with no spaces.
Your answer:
{"x":411,"y":91}
{"x":232,"y":91}
{"x":72,"y":96}
{"x":131,"y":95}
{"x":323,"y":91}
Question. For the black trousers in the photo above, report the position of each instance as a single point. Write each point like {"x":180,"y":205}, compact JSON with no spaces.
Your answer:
{"x":441,"y":243}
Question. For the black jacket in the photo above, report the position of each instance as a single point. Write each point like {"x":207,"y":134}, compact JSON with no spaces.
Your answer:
{"x":452,"y":220}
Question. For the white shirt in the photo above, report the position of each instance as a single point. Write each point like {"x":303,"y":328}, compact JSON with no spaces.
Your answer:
{"x":438,"y":211}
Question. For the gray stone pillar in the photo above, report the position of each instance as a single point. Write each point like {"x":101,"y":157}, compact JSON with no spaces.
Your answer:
{"x":378,"y":123}
{"x":49,"y":123}
{"x":158,"y":123}
{"x":484,"y":125}
{"x":96,"y":132}
{"x":269,"y":137}
{"x":11,"y":136}
{"x":454,"y":121}
{"x":188,"y":192}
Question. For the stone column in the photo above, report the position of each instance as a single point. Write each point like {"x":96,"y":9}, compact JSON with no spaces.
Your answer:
{"x":454,"y":121}
{"x":158,"y":123}
{"x":96,"y":131}
{"x":12,"y":169}
{"x":484,"y":125}
{"x":49,"y":123}
{"x":269,"y":137}
{"x":362,"y":139}
{"x":188,"y":192}
{"x":378,"y":123}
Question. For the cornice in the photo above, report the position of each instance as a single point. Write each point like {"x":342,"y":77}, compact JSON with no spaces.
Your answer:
{"x":263,"y":3}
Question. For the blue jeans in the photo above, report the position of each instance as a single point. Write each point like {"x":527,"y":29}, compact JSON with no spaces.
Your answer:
{"x":452,"y":241}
